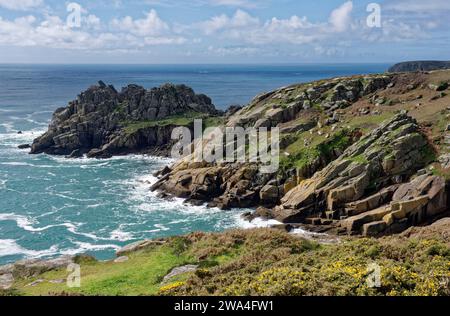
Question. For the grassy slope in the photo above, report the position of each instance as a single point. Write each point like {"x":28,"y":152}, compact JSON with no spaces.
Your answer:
{"x":176,"y":120}
{"x":264,"y":262}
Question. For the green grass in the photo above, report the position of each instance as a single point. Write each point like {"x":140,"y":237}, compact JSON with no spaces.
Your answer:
{"x":121,"y":108}
{"x":369,"y":122}
{"x":263,"y":262}
{"x":176,"y":120}
{"x":275,"y":264}
{"x":320,"y":147}
{"x":141,"y":275}
{"x":359,"y":159}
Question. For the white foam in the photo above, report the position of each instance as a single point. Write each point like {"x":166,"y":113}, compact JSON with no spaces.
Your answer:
{"x":13,"y":138}
{"x":17,"y":164}
{"x":27,"y":224}
{"x":9,"y":127}
{"x":9,"y":247}
{"x":85,"y":246}
{"x":103,"y":162}
{"x":301,"y":231}
{"x":120,"y":235}
{"x":256,"y":223}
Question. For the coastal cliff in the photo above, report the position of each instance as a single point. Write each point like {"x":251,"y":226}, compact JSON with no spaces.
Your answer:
{"x":413,"y":66}
{"x":361,"y":156}
{"x":103,"y":122}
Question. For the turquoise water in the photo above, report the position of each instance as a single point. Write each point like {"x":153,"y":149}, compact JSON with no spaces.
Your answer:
{"x":51,"y":205}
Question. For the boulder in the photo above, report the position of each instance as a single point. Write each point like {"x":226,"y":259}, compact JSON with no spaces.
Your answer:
{"x":178,"y":271}
{"x":138,"y":246}
{"x":31,"y":267}
{"x":121,"y":259}
{"x":24,"y":146}
{"x":269,"y":194}
{"x":6,"y":281}
{"x":374,"y":228}
{"x":355,"y":224}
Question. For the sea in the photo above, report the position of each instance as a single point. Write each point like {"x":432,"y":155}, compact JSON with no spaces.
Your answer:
{"x":52,"y":206}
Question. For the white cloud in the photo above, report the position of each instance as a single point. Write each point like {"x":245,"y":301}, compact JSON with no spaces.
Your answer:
{"x":151,"y":25}
{"x":240,"y":19}
{"x":293,"y":30}
{"x":235,"y":3}
{"x":247,"y":4}
{"x":341,"y":18}
{"x":53,"y":32}
{"x":20,"y":5}
{"x":240,"y":33}
{"x":437,"y":6}
{"x":234,"y":51}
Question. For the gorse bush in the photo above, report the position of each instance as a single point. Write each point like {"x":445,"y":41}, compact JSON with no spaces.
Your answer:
{"x":269,"y":262}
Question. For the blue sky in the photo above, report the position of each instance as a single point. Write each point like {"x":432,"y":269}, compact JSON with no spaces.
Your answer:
{"x":223,"y":31}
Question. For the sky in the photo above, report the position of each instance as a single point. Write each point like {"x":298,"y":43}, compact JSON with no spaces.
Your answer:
{"x":223,"y":31}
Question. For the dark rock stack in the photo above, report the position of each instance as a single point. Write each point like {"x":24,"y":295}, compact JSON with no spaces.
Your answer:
{"x":95,"y":123}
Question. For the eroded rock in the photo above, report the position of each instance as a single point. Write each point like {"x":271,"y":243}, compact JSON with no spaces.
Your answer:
{"x":395,"y":148}
{"x":100,"y":121}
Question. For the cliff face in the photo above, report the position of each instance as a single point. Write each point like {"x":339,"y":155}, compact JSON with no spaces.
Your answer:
{"x":103,"y":122}
{"x":411,"y":66}
{"x":359,"y":155}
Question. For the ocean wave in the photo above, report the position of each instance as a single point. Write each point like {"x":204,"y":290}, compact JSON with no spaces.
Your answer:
{"x":102,"y":162}
{"x":149,"y":201}
{"x":83,"y":247}
{"x":10,"y":247}
{"x":120,"y":235}
{"x":302,"y":232}
{"x":64,"y":196}
{"x":115,"y":235}
{"x":26,"y":223}
{"x":17,"y":164}
{"x":256,"y":223}
{"x":9,"y":127}
{"x":13,"y":138}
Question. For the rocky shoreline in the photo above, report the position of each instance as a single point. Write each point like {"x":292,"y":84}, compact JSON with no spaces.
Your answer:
{"x":360,"y":156}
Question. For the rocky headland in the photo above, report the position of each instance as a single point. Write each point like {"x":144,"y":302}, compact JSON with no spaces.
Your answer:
{"x":361,"y":156}
{"x":365,"y":155}
{"x":103,"y":122}
{"x":414,"y":66}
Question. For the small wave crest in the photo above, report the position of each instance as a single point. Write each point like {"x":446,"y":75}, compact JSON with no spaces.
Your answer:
{"x":256,"y":223}
{"x":14,"y":138}
{"x":26,"y":223}
{"x":10,"y":247}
